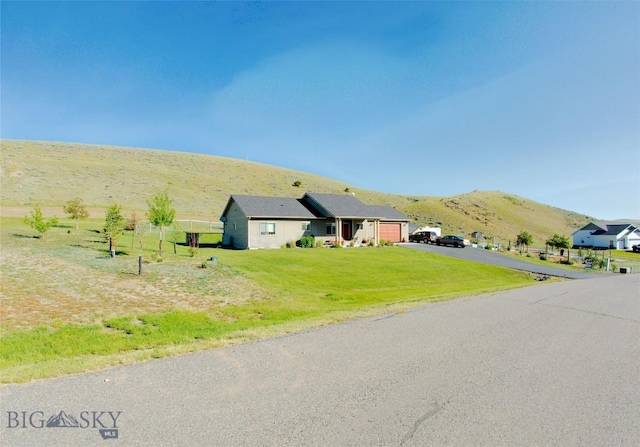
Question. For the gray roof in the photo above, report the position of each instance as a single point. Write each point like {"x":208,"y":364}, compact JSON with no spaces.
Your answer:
{"x":312,"y":206}
{"x":612,"y":230}
{"x":346,"y":206}
{"x":387,"y":212}
{"x":257,"y":206}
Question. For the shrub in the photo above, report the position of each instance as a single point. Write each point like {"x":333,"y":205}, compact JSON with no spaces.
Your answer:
{"x":488,"y":247}
{"x":307,"y":242}
{"x":38,"y":222}
{"x":132,"y":222}
{"x":204,"y":265}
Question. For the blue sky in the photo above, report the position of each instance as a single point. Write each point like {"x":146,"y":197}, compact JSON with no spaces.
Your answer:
{"x":538,"y":99}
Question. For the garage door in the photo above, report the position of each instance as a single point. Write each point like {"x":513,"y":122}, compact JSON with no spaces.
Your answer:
{"x":390,"y":232}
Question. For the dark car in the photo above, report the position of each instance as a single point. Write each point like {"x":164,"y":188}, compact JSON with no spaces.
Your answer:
{"x":636,"y":248}
{"x":427,"y":237}
{"x":456,"y":241}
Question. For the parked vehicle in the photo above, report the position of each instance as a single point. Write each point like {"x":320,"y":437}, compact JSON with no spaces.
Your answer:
{"x":456,"y":241}
{"x":427,"y":237}
{"x":636,"y":248}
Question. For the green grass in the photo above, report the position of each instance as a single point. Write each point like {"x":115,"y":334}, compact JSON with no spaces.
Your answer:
{"x":74,"y":315}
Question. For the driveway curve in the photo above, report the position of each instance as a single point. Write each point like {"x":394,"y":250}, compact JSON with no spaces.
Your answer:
{"x":494,"y":258}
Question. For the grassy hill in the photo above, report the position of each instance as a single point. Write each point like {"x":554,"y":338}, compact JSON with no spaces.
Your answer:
{"x":50,"y":173}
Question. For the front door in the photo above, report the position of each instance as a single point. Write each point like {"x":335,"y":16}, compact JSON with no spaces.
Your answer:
{"x":346,"y":231}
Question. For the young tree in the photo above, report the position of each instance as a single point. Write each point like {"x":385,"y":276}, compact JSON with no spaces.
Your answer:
{"x":114,"y":224}
{"x":524,"y":239}
{"x":76,"y":210}
{"x":161,"y":214}
{"x":38,"y":222}
{"x":559,"y":242}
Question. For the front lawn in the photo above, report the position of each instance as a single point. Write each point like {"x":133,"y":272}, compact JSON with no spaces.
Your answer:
{"x":68,"y":307}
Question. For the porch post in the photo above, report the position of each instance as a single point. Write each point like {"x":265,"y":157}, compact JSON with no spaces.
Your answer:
{"x":376,"y":231}
{"x":339,"y":230}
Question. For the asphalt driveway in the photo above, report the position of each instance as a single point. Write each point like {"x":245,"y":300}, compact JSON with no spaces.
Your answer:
{"x":495,"y":258}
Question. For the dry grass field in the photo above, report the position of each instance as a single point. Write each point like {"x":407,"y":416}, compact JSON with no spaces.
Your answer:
{"x":50,"y":173}
{"x":69,"y":277}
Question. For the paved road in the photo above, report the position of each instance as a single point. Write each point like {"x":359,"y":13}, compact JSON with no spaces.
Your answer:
{"x":492,"y":257}
{"x":556,"y":364}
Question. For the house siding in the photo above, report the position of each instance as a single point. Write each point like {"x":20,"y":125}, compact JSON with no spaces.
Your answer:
{"x":286,"y":231}
{"x":236,"y":228}
{"x":583,"y":238}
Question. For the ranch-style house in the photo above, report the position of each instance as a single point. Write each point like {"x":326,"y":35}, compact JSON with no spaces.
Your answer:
{"x":616,"y":235}
{"x":270,"y":222}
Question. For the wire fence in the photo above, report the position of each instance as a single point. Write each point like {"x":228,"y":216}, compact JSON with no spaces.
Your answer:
{"x":185,"y":225}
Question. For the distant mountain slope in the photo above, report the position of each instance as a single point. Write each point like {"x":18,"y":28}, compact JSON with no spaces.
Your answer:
{"x":50,"y":173}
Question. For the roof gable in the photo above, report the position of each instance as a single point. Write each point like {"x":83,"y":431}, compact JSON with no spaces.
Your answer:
{"x":337,"y":205}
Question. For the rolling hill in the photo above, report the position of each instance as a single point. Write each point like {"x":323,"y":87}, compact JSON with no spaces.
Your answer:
{"x":50,"y":173}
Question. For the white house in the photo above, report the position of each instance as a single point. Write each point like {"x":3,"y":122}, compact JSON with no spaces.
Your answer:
{"x":620,"y":236}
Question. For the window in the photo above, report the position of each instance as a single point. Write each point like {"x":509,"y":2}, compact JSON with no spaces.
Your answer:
{"x":359,"y":227}
{"x":267,"y":228}
{"x":331,"y":228}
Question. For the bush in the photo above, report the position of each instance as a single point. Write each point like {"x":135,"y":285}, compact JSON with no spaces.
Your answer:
{"x":204,"y":265}
{"x":488,"y":247}
{"x":307,"y":242}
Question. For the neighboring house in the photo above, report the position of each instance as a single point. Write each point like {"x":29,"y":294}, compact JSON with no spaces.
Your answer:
{"x":270,"y":222}
{"x":621,"y":236}
{"x":477,"y":235}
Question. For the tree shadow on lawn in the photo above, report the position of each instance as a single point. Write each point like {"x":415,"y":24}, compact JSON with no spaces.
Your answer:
{"x":107,"y":253}
{"x":24,"y":236}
